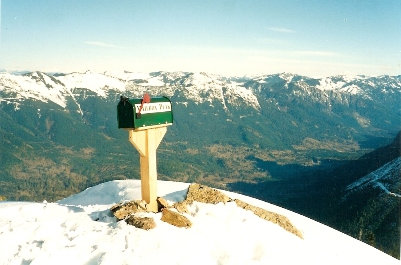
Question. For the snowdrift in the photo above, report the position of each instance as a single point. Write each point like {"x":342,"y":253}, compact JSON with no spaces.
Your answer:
{"x":81,"y":230}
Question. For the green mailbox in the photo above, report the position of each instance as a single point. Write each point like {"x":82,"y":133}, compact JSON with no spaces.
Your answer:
{"x":142,"y":113}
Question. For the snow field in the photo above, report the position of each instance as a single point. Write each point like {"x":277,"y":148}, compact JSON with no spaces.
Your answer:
{"x":81,"y":230}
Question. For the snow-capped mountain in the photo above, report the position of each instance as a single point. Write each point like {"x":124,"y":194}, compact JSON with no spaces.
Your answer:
{"x":284,"y":118}
{"x":81,"y":230}
{"x":199,"y":87}
{"x":339,"y":105}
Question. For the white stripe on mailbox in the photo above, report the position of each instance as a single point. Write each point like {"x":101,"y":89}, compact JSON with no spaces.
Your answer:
{"x":153,"y":107}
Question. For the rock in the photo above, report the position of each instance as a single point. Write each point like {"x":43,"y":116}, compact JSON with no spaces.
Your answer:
{"x":175,"y":219}
{"x":200,"y":193}
{"x":276,"y":218}
{"x":145,"y":223}
{"x":123,"y":210}
{"x":162,"y":203}
{"x":181,"y":207}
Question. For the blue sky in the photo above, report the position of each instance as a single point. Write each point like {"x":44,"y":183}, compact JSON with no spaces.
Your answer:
{"x":310,"y":37}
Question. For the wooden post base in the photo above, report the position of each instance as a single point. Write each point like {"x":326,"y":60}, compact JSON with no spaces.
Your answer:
{"x":146,"y":142}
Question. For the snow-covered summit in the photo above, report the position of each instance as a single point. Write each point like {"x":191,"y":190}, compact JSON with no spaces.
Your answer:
{"x":35,"y":86}
{"x":360,"y":85}
{"x":199,"y":87}
{"x":81,"y":230}
{"x":98,"y":83}
{"x":196,"y":87}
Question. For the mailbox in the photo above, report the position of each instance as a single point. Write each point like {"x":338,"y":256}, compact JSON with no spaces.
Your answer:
{"x":142,"y":113}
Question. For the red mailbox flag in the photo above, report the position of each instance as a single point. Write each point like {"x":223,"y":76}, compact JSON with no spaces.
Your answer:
{"x":146,"y":99}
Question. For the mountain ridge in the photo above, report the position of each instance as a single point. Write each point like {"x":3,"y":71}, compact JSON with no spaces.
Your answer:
{"x":125,"y":82}
{"x":261,"y":95}
{"x":281,"y":118}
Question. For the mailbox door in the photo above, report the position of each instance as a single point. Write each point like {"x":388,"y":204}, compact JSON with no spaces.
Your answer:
{"x":125,"y":114}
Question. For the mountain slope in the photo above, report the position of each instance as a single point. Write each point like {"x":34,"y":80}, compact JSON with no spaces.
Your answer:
{"x":222,"y":125}
{"x":378,"y":178}
{"x":80,"y":230}
{"x":370,"y":207}
{"x":358,"y":197}
{"x":363,"y":200}
{"x":275,"y":111}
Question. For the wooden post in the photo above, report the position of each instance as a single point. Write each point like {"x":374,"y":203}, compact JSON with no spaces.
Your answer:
{"x":146,"y":142}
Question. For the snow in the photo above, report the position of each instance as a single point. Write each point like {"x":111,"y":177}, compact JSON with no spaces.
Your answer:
{"x":378,"y":176}
{"x":287,"y":77}
{"x":154,"y":81}
{"x":27,"y":87}
{"x":199,"y":87}
{"x":202,"y":87}
{"x":327,"y":84}
{"x":237,"y":90}
{"x":351,"y":89}
{"x":95,"y":82}
{"x":81,"y":230}
{"x":384,"y":188}
{"x":128,"y":75}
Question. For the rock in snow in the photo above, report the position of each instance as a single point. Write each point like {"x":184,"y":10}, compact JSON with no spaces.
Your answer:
{"x":82,"y":230}
{"x":175,"y":219}
{"x":205,"y":194}
{"x":123,"y":210}
{"x":141,"y":222}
